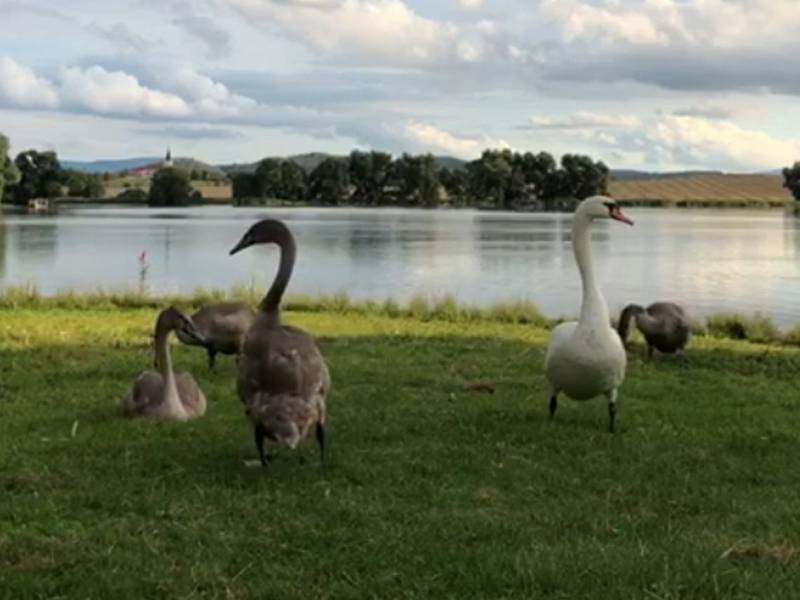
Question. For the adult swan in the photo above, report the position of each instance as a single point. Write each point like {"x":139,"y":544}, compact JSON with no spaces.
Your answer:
{"x":586,"y":358}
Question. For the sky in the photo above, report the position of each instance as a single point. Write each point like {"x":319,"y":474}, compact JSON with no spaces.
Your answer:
{"x":642,"y":84}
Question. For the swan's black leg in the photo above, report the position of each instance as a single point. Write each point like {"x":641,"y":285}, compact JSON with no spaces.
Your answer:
{"x":259,"y":435}
{"x":612,"y":409}
{"x":212,"y":356}
{"x":553,"y":404}
{"x":321,"y":441}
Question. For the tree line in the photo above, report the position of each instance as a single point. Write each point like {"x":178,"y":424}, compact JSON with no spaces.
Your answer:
{"x":791,"y":179}
{"x":499,"y":179}
{"x":35,"y":174}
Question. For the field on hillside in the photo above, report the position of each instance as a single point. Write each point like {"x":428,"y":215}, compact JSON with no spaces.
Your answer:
{"x":446,"y":478}
{"x":709,"y":189}
{"x":211,"y":190}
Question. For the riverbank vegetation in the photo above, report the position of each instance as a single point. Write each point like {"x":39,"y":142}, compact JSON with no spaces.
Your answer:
{"x":446,"y":478}
{"x":734,"y":326}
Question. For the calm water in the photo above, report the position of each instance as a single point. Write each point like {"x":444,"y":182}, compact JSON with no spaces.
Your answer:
{"x":709,"y":260}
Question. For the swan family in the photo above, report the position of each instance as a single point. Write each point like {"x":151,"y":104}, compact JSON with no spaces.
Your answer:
{"x":283,"y":381}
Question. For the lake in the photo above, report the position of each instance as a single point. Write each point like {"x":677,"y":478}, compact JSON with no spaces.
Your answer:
{"x":709,"y":260}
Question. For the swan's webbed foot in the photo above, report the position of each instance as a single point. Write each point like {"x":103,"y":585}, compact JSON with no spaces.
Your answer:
{"x":259,"y":436}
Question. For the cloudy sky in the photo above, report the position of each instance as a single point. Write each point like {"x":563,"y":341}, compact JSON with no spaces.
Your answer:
{"x":657,"y":84}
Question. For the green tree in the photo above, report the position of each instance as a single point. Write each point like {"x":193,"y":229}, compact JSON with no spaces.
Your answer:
{"x":276,"y":178}
{"x":578,"y":177}
{"x":791,"y":179}
{"x":490,"y":177}
{"x":292,"y":181}
{"x":369,"y":173}
{"x":170,"y":186}
{"x":456,"y":183}
{"x":417,"y":179}
{"x":95,"y":188}
{"x":9,"y":174}
{"x":244,"y":186}
{"x":329,"y":182}
{"x":75,"y":183}
{"x":41,"y":175}
{"x":535,"y":169}
{"x":268,"y":178}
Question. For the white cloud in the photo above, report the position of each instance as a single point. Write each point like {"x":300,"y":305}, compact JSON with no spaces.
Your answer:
{"x":387,"y":31}
{"x":704,"y":23}
{"x":211,"y":97}
{"x":432,"y":139}
{"x":610,"y":22}
{"x":115,"y":92}
{"x":585,"y":119}
{"x":714,"y":142}
{"x":471,"y":4}
{"x":20,"y":86}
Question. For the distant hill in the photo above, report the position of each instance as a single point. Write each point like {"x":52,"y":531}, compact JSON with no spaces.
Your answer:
{"x":309,"y":161}
{"x":126,"y":164}
{"x":704,"y":188}
{"x":191,"y":164}
{"x":109,"y":166}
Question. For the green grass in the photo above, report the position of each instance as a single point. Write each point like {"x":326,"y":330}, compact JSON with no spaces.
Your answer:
{"x":436,"y":487}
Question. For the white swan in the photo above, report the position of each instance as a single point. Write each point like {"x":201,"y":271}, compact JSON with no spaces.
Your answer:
{"x":586,"y":358}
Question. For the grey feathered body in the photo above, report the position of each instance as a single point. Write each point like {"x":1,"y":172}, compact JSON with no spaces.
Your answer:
{"x":283,"y":380}
{"x":664,"y":325}
{"x":223,"y":326}
{"x":146,"y":398}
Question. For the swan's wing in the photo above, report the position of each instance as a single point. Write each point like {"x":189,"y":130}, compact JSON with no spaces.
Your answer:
{"x":558,"y":338}
{"x":190,"y":394}
{"x":224,"y":324}
{"x":282,"y":360}
{"x":145,"y":394}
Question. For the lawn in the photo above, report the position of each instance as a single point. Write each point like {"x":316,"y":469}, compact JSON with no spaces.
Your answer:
{"x":446,"y":479}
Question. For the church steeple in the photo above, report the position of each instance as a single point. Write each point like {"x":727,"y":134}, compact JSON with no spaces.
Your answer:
{"x":168,"y":159}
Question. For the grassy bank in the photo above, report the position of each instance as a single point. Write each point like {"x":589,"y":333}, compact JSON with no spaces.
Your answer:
{"x":447,"y":480}
{"x":755,"y":328}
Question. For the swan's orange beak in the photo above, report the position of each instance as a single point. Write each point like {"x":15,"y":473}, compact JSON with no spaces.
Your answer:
{"x":615,"y":213}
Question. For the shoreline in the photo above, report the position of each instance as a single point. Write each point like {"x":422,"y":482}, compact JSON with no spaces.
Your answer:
{"x":731,"y":204}
{"x":756,"y":328}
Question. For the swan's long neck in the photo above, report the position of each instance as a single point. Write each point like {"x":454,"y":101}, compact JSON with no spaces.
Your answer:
{"x":270,"y":305}
{"x":623,"y":327}
{"x":171,"y":399}
{"x":594,"y":311}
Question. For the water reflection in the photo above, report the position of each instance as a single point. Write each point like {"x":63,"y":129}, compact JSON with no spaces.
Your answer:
{"x":710,"y":260}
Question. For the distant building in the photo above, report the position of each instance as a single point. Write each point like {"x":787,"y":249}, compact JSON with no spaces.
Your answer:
{"x":149,"y":170}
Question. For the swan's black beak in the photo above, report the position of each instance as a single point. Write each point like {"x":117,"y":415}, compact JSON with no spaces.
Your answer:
{"x":615,"y":213}
{"x":191,"y":332}
{"x":243,"y":243}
